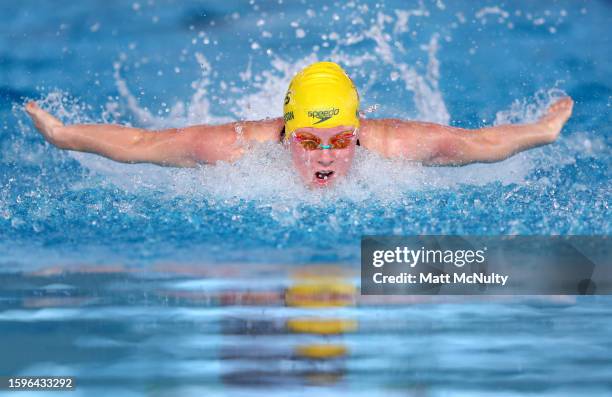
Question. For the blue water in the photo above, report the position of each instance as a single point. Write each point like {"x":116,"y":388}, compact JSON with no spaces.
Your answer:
{"x":82,"y":239}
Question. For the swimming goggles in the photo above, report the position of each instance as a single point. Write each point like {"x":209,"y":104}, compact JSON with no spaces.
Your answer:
{"x":309,"y":141}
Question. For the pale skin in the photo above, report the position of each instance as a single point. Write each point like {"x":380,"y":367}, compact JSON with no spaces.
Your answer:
{"x":425,"y":143}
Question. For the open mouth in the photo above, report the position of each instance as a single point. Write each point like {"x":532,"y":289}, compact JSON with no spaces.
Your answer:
{"x":323,"y":175}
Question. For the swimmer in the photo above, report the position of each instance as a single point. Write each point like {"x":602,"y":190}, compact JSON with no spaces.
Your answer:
{"x":320,"y":126}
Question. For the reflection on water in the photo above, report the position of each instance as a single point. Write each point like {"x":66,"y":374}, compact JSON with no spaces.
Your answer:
{"x":301,"y":347}
{"x":262,"y":329}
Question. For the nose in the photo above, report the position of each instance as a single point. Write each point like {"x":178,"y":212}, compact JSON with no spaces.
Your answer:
{"x":325,"y":159}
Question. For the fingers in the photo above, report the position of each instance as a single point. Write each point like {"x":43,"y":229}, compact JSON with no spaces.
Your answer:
{"x":569,"y":102}
{"x":30,"y":106}
{"x":40,"y":116}
{"x":44,"y":122}
{"x":563,"y":104}
{"x":34,"y":111}
{"x":561,"y":110}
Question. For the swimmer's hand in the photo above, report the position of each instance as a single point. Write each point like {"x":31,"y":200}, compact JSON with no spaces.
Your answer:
{"x":435,"y":144}
{"x":555,"y":118}
{"x":46,"y":124}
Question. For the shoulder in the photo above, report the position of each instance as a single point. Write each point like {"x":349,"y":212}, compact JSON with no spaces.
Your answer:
{"x":389,"y":129}
{"x":374,"y":128}
{"x":261,"y":130}
{"x":399,"y":138}
{"x":374,"y":133}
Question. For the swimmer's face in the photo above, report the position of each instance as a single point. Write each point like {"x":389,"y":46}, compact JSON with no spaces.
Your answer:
{"x":319,"y":166}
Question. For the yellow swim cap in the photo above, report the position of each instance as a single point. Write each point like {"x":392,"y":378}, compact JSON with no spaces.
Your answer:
{"x":321,"y":96}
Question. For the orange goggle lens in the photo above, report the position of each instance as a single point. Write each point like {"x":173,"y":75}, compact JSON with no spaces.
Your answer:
{"x":313,"y":142}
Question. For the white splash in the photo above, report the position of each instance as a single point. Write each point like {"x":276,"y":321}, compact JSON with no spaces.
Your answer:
{"x":483,"y":12}
{"x":528,"y":110}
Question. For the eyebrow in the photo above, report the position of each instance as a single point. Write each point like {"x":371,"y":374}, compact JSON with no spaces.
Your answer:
{"x":307,"y":135}
{"x":339,"y":134}
{"x":351,"y":133}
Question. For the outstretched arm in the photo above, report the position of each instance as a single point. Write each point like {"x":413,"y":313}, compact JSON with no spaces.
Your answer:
{"x":178,"y":147}
{"x":434,"y":144}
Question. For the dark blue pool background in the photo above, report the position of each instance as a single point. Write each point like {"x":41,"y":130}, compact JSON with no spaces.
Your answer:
{"x":63,"y":208}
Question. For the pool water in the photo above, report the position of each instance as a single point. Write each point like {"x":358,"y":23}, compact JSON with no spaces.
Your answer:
{"x":160,"y":281}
